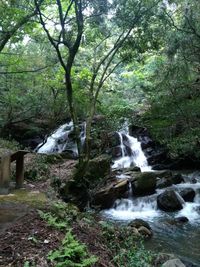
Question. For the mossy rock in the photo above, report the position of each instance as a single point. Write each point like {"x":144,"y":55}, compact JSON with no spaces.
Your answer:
{"x":144,"y":184}
{"x":98,"y":167}
{"x":105,"y":197}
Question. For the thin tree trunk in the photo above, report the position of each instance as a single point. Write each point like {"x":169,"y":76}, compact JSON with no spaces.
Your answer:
{"x":73,"y":114}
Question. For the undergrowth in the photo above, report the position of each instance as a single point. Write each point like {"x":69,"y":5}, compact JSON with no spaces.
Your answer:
{"x":128,"y":250}
{"x":71,"y":253}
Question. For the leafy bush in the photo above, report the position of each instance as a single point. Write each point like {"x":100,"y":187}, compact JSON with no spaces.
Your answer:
{"x":9,"y":144}
{"x":71,"y":254}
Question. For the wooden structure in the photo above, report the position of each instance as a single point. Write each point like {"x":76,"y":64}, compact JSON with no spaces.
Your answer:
{"x":6,"y":157}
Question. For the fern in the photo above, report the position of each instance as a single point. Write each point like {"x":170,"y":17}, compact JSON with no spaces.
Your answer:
{"x":53,"y":220}
{"x":71,"y":254}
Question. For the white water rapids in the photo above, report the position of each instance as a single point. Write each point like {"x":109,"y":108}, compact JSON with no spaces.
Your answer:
{"x":59,"y":141}
{"x":131,"y":207}
{"x":137,"y":156}
{"x":146,"y":207}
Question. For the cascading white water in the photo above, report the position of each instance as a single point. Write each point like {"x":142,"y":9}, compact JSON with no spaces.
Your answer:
{"x":59,"y":141}
{"x":137,"y":157}
{"x":146,"y":207}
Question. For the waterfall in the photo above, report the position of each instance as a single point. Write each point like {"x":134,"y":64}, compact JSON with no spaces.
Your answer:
{"x":61,"y":140}
{"x":146,"y":207}
{"x":136,"y":157}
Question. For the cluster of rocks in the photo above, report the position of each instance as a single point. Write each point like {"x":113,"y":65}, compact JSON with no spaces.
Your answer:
{"x":140,"y":228}
{"x":143,"y":184}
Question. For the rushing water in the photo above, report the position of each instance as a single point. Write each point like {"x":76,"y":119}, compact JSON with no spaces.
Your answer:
{"x":181,"y":239}
{"x":60,"y":140}
{"x":137,"y":156}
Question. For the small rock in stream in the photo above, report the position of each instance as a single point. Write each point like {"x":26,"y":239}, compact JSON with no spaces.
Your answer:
{"x":173,"y":263}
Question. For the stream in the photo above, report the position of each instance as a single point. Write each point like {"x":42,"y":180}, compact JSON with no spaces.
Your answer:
{"x":169,"y":237}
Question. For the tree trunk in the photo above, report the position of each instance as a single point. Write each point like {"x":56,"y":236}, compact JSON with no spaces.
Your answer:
{"x":69,"y":91}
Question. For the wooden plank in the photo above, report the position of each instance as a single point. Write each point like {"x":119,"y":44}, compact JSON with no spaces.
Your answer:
{"x":19,"y":153}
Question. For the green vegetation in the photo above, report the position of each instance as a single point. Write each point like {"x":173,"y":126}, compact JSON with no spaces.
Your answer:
{"x":123,"y":59}
{"x":72,"y":254}
{"x":125,"y":248}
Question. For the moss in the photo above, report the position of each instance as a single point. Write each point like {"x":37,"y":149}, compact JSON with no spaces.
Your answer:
{"x":31,"y":198}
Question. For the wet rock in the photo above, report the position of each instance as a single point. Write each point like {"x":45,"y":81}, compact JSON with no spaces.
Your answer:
{"x":188,"y":194}
{"x":159,"y":167}
{"x":193,"y":180}
{"x":169,"y":201}
{"x":137,"y":131}
{"x":168,"y":179}
{"x":116,"y":152}
{"x":162,"y":183}
{"x":137,"y":223}
{"x":68,"y":154}
{"x":163,"y":174}
{"x":105,"y":198}
{"x":144,"y":184}
{"x":143,"y":231}
{"x":125,"y":140}
{"x":133,"y":169}
{"x":178,"y":221}
{"x":162,"y":258}
{"x":156,"y":157}
{"x":177,"y":179}
{"x":141,"y":228}
{"x":174,"y":263}
{"x":181,"y":219}
{"x":146,"y":142}
{"x":128,"y":151}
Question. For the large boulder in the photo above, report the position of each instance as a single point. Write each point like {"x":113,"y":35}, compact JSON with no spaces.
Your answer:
{"x":144,"y":184}
{"x":188,"y":194}
{"x":105,"y":197}
{"x":169,"y":200}
{"x":98,"y":168}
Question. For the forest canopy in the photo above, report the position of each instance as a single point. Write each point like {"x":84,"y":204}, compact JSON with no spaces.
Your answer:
{"x":135,"y":60}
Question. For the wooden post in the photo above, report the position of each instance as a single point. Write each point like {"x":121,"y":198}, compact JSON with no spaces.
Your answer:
{"x":19,"y":171}
{"x":5,"y":174}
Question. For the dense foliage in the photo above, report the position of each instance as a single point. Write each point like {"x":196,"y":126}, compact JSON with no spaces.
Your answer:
{"x":136,"y":60}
